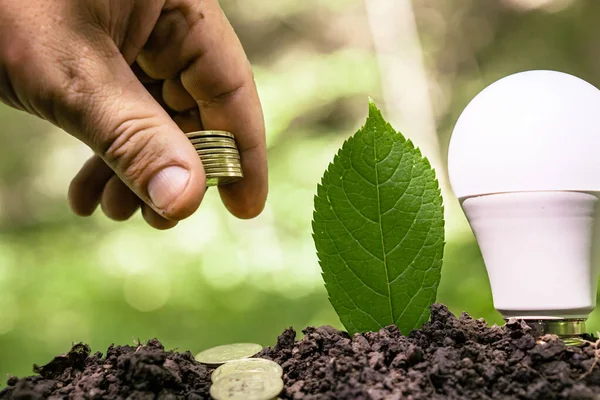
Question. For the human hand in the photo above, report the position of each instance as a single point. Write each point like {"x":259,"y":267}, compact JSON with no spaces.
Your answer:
{"x":126,"y":77}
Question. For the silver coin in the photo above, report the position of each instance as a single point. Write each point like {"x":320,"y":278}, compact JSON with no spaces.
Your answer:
{"x":247,"y":365}
{"x":251,"y":385}
{"x":228,"y":352}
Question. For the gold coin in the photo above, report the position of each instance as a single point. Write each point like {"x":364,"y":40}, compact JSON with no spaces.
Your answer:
{"x":213,"y":171}
{"x":225,"y":156}
{"x":221,"y":164}
{"x":222,"y":180}
{"x":222,"y":167}
{"x":228,"y":352}
{"x":223,"y":172}
{"x":204,"y":146}
{"x":212,"y":140}
{"x":247,"y":365}
{"x":217,"y":151}
{"x":220,"y":157}
{"x":251,"y":385}
{"x":198,"y":134}
{"x":225,"y":164}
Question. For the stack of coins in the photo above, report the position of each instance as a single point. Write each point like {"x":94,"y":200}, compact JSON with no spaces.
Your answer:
{"x":241,"y":377}
{"x":219,"y":155}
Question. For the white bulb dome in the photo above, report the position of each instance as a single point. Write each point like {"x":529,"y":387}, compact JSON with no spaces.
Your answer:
{"x":531,"y":131}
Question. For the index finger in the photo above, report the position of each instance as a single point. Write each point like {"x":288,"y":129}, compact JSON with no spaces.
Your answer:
{"x":219,"y":77}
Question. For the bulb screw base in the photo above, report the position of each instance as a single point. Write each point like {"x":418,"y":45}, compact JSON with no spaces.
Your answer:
{"x":571,"y":330}
{"x":563,"y":328}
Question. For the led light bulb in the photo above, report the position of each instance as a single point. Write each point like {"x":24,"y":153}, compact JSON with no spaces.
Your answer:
{"x":524,"y":162}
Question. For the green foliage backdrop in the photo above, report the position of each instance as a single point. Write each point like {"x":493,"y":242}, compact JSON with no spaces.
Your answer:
{"x":215,"y":279}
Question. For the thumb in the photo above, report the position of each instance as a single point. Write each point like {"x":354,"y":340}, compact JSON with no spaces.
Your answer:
{"x":106,"y":106}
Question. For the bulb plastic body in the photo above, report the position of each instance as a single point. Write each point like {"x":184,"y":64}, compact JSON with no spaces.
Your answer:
{"x":539,"y":251}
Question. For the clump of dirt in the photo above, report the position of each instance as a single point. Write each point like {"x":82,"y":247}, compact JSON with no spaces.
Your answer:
{"x":127,"y":372}
{"x":448,"y":358}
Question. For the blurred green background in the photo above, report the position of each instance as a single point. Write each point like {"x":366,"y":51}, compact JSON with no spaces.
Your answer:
{"x":214,"y":279}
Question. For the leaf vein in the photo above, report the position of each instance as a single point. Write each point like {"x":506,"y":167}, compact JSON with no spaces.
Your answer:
{"x":351,"y":269}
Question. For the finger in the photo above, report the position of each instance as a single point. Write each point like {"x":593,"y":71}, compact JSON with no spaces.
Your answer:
{"x":188,"y":121}
{"x":218,"y":76}
{"x":155,"y":220}
{"x":142,"y":17}
{"x":155,"y":90}
{"x":176,"y":97}
{"x":110,"y":110}
{"x":118,"y":201}
{"x":87,"y":186}
{"x":141,"y":75}
{"x":160,"y":58}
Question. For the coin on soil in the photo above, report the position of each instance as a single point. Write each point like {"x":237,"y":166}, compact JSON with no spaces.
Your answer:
{"x":249,"y":385}
{"x":247,"y":365}
{"x":228,"y":352}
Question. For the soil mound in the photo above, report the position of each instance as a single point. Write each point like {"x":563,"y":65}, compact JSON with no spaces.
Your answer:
{"x":127,"y":372}
{"x":448,"y":358}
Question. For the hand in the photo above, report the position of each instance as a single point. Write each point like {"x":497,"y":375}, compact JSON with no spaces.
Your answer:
{"x":126,"y":77}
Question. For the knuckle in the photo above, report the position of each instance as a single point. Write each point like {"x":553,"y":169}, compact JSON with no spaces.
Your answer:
{"x":212,"y":87}
{"x":130,"y":149}
{"x":75,"y":84}
{"x":219,"y":95}
{"x":77,"y":80}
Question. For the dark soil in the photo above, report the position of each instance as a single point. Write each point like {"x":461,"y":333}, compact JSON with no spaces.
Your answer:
{"x":448,"y":358}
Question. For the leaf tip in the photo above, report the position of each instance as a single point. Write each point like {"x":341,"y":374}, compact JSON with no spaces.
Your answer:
{"x":373,"y":109}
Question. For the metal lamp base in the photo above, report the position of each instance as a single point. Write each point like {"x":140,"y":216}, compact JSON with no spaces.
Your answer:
{"x":559,"y":327}
{"x":571,"y":331}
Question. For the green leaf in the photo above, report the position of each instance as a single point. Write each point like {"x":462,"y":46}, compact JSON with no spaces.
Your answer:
{"x":378,"y":227}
